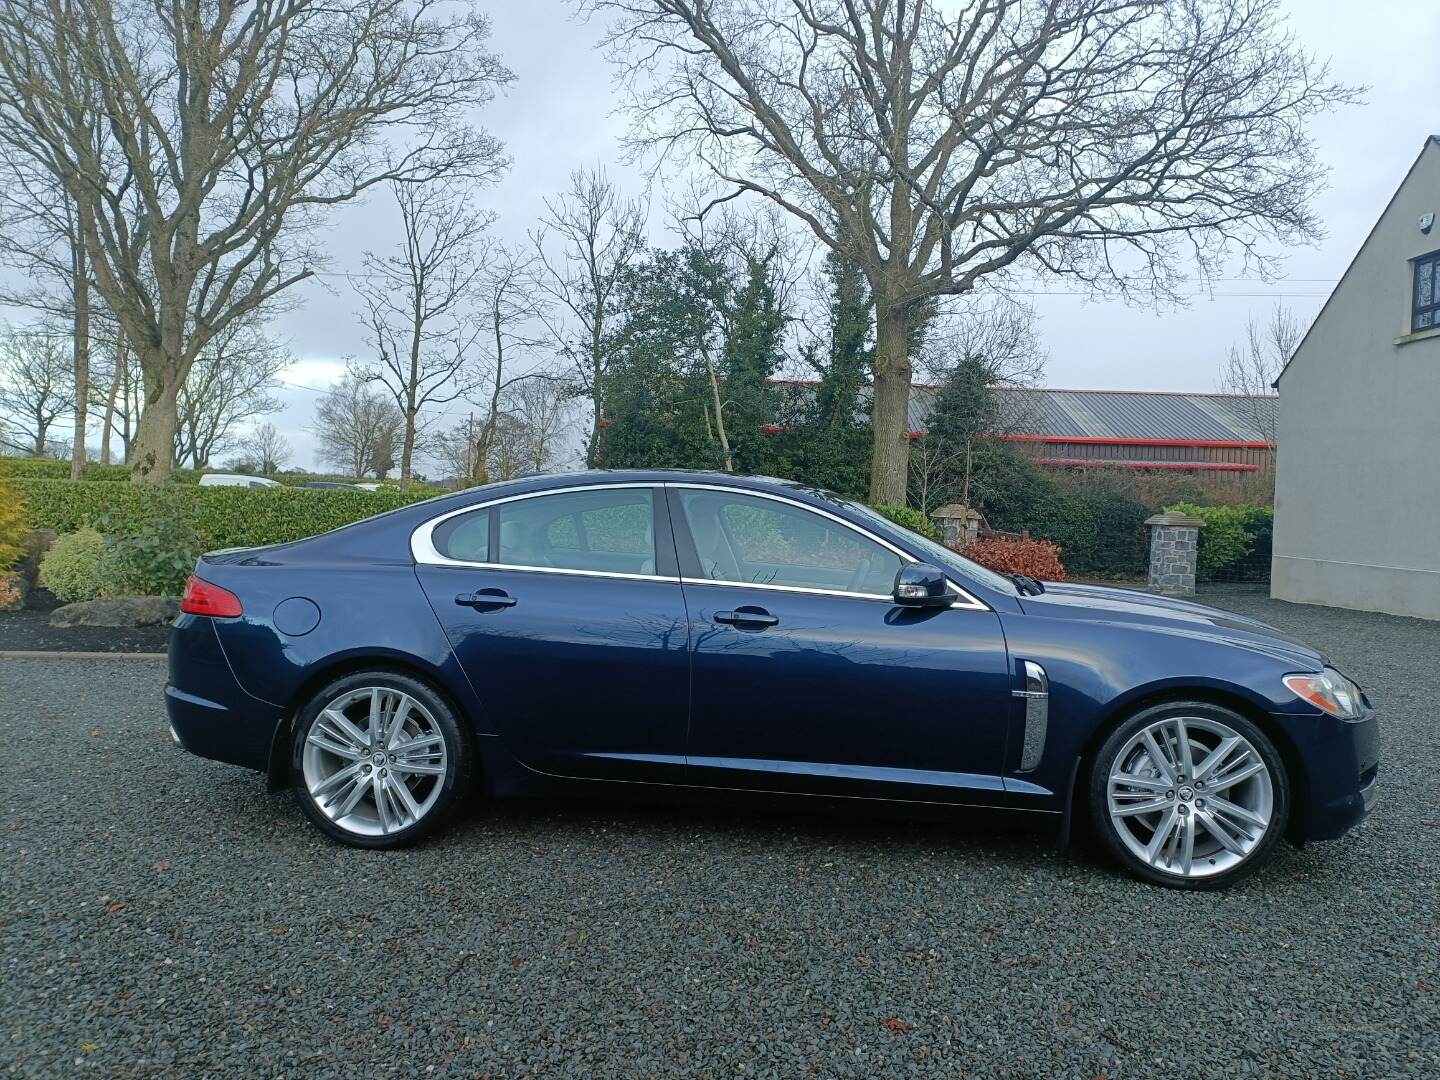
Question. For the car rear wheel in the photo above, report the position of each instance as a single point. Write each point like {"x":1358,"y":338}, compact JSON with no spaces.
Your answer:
{"x":379,"y":760}
{"x":1190,"y":795}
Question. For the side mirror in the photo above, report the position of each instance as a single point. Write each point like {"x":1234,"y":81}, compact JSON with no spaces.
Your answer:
{"x":923,"y":585}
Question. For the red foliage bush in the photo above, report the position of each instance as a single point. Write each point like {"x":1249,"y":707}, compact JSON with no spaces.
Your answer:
{"x":1039,"y":559}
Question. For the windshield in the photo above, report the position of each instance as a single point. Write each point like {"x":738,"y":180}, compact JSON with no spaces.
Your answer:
{"x":938,"y":554}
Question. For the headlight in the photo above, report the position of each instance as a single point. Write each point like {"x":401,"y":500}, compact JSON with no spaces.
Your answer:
{"x":1329,"y":692}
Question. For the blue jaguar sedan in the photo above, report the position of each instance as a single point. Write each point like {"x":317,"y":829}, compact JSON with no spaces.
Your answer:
{"x":671,"y":633}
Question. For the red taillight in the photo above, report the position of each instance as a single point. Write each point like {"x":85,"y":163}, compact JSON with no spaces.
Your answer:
{"x":203,"y":598}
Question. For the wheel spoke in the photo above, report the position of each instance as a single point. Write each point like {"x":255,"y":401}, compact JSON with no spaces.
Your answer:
{"x":400,"y":788}
{"x":1158,"y":757}
{"x":332,"y":746}
{"x":1219,"y":832}
{"x":337,"y":724}
{"x":418,"y":768}
{"x":1148,"y":807}
{"x":1184,"y":762}
{"x":1143,"y":783}
{"x":352,"y":798}
{"x":1230,"y":810}
{"x":1213,"y":760}
{"x":377,"y":715}
{"x":382,"y":803}
{"x":335,"y":781}
{"x":1161,"y":836}
{"x":1187,"y":843}
{"x":1234,"y":776}
{"x":397,"y":720}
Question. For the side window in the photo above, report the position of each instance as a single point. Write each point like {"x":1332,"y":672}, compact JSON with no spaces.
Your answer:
{"x":607,"y":530}
{"x":1425,"y":312}
{"x":465,"y":537}
{"x":757,"y":541}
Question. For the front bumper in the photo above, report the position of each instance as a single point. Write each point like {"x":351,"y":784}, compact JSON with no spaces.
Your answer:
{"x":210,"y":715}
{"x":1341,"y":761}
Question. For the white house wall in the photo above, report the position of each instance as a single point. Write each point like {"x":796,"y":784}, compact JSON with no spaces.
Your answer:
{"x":1357,"y":499}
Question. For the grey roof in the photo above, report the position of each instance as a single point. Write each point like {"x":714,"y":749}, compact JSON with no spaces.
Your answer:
{"x":1126,"y":414}
{"x":1115,"y":414}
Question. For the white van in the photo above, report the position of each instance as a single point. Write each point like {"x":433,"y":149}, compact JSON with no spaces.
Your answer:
{"x":220,"y":479}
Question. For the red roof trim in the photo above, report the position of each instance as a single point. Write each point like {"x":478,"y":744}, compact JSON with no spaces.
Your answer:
{"x":1097,"y":440}
{"x":1188,"y":466}
{"x":1055,"y":390}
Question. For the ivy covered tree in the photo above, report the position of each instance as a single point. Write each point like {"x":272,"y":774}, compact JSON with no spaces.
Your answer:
{"x":753,"y":347}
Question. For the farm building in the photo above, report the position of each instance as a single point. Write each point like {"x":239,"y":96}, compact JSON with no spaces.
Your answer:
{"x":1133,"y":429}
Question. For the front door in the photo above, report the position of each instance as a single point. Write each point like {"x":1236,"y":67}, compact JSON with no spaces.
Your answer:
{"x":566,"y":613}
{"x":807,"y":678}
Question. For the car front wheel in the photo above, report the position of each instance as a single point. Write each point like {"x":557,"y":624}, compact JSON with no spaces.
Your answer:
{"x":379,"y":760}
{"x":1189,"y":795}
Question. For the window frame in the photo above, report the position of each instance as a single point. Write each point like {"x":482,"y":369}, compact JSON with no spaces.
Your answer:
{"x":1430,"y":261}
{"x":423,"y":550}
{"x":672,"y":532}
{"x":681,"y":526}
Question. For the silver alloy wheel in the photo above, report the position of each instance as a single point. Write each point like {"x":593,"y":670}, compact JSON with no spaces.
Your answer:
{"x":1190,"y":796}
{"x":374,"y":760}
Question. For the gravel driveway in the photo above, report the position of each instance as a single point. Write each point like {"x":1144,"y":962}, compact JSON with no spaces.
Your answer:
{"x":164,"y":916}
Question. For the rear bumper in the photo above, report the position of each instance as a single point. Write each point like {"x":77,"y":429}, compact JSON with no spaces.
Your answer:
{"x":210,"y":715}
{"x":1342,"y":766}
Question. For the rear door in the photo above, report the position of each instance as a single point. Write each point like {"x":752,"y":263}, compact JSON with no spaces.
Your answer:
{"x":806,"y":677}
{"x":565,"y":610}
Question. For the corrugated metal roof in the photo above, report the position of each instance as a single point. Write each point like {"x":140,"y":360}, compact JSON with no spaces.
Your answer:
{"x":1111,"y":414}
{"x":1124,"y":414}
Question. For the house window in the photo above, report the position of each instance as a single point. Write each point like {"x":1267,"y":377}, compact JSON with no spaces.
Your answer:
{"x":1425,"y":313}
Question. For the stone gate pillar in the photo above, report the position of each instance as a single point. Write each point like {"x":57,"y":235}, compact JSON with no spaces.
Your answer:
{"x":959,"y":524}
{"x":1174,"y":539}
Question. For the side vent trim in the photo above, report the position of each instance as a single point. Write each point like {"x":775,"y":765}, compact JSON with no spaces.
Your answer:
{"x":1037,"y":714}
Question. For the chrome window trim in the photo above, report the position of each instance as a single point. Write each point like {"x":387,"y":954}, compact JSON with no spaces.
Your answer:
{"x":424,"y":552}
{"x":422,"y":547}
{"x":967,"y":602}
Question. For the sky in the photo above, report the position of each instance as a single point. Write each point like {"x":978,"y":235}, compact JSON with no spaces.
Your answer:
{"x":562,"y":113}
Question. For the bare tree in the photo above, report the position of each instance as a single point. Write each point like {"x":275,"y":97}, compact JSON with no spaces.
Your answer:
{"x":542,"y":408}
{"x":229,"y":385}
{"x":418,"y":303}
{"x":37,"y":387}
{"x":235,"y":128}
{"x":1250,"y":370}
{"x":266,"y":449}
{"x":42,"y":239}
{"x":936,"y":145}
{"x":588,"y":236}
{"x":357,"y":426}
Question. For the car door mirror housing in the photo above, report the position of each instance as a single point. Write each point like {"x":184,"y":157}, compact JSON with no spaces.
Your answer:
{"x":923,"y":585}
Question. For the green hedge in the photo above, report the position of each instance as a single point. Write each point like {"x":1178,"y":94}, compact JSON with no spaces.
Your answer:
{"x":53,"y":469}
{"x":224,"y":516}
{"x":1231,"y":536}
{"x":908,"y":518}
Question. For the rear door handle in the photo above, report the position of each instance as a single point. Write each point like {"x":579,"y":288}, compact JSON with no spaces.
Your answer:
{"x":486,"y":598}
{"x":746,"y":616}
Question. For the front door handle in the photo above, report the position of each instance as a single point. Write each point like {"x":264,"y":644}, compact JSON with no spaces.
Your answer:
{"x":746,"y":616}
{"x":486,"y":598}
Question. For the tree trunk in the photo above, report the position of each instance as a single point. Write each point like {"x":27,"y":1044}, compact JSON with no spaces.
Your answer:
{"x":889,"y":412}
{"x":154,"y":453}
{"x":81,"y":352}
{"x":107,"y":427}
{"x":719,"y":413}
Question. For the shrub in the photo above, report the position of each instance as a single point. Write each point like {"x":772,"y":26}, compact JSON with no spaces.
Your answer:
{"x":153,"y":541}
{"x":1039,"y":559}
{"x":910,"y":519}
{"x":1096,"y":521}
{"x":1230,"y":534}
{"x":13,"y":526}
{"x":224,"y":516}
{"x":79,"y":566}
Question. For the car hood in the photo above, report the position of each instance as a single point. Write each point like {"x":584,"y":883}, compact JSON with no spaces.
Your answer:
{"x":1163,"y":614}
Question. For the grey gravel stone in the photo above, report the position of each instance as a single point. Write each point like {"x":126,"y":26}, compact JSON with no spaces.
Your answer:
{"x":163,"y":916}
{"x":120,"y":611}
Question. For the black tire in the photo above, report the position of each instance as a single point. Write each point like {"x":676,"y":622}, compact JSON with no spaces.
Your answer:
{"x":1109,"y":830}
{"x":450,"y":789}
